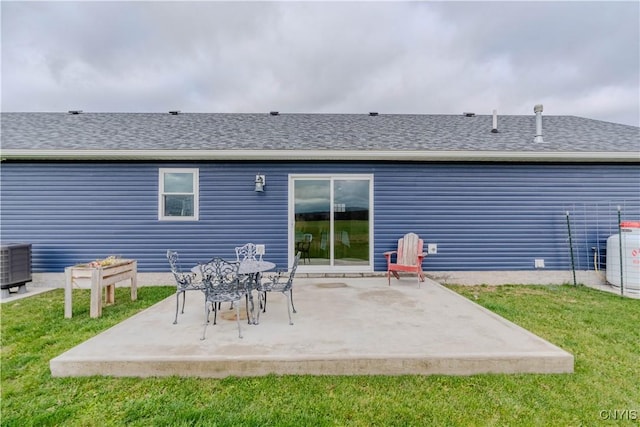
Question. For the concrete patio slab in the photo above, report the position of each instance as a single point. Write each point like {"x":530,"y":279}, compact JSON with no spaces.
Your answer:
{"x":344,"y":326}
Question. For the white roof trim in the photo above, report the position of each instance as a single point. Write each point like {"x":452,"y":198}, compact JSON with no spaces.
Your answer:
{"x":354,"y":155}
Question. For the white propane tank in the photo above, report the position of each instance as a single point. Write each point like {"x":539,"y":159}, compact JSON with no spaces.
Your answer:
{"x":630,"y":257}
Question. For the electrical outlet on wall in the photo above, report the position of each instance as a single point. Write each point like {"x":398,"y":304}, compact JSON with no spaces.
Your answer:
{"x":432,"y":248}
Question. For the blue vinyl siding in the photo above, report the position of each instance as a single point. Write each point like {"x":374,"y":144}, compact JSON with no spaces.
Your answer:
{"x":500,"y":217}
{"x":482,"y":216}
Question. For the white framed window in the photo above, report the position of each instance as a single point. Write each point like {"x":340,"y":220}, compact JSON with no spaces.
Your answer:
{"x":178,"y":194}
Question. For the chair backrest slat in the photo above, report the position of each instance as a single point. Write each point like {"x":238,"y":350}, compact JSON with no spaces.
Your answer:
{"x":409,"y":247}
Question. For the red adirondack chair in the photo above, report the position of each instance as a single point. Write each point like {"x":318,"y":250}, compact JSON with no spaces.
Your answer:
{"x":408,"y":257}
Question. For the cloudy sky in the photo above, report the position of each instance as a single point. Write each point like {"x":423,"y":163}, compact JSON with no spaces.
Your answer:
{"x":576,"y":58}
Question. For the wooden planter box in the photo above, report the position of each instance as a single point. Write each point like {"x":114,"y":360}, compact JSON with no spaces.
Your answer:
{"x":84,"y":276}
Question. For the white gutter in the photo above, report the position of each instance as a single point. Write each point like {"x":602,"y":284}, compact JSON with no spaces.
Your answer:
{"x":351,"y":155}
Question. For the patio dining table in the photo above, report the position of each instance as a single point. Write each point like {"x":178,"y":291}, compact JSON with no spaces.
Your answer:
{"x":248,"y":266}
{"x":251,"y":266}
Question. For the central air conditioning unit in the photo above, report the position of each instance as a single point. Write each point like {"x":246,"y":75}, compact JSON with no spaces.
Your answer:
{"x":15,"y":266}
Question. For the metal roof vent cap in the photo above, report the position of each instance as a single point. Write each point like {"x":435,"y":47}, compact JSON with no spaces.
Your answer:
{"x":538,"y":110}
{"x":494,"y":127}
{"x":274,"y":113}
{"x":468,"y":114}
{"x":75,"y":111}
{"x":373,"y":113}
{"x":174,"y":112}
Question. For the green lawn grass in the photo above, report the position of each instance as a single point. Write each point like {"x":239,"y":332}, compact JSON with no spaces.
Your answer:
{"x":601,"y":330}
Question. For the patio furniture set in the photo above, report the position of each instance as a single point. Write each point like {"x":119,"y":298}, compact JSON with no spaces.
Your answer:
{"x":223,"y":281}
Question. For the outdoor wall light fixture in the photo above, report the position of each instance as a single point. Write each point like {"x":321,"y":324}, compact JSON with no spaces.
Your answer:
{"x":260,"y":183}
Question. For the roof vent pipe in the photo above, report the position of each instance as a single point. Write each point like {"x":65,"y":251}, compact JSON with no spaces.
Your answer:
{"x":494,"y":128}
{"x":274,"y":113}
{"x":538,"y":110}
{"x":373,"y":113}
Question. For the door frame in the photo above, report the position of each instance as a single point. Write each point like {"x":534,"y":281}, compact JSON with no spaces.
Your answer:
{"x":368,"y":268}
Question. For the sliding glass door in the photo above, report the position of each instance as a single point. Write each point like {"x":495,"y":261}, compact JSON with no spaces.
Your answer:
{"x":331,"y":222}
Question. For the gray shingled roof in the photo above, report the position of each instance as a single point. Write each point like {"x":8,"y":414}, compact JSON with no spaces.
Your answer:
{"x":139,"y":135}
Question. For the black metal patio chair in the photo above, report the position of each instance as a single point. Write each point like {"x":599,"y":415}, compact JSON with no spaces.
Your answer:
{"x":221,"y":284}
{"x":304,"y":246}
{"x":185,"y":281}
{"x":247,"y":251}
{"x":280,"y":282}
